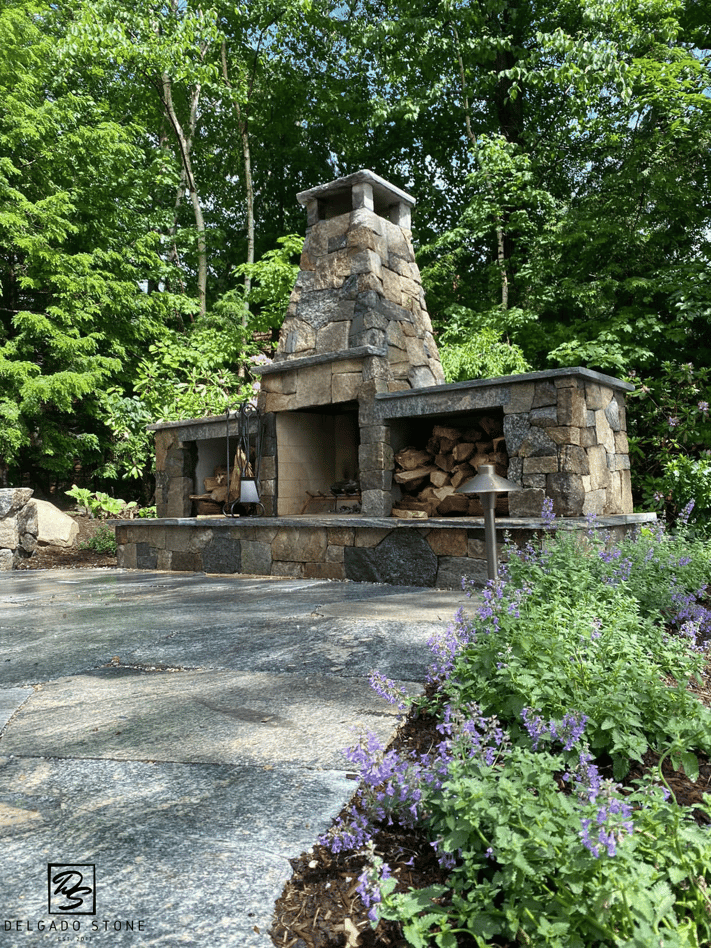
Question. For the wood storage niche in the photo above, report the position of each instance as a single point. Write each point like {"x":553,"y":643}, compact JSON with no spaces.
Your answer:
{"x":433,"y":457}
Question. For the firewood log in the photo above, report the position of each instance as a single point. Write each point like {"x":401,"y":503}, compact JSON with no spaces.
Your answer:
{"x":441,"y":431}
{"x":411,"y":458}
{"x":462,"y":473}
{"x":492,"y":426}
{"x":446,"y":445}
{"x":445,"y":462}
{"x":454,"y":504}
{"x":463,"y":451}
{"x":439,"y":478}
{"x":408,"y":476}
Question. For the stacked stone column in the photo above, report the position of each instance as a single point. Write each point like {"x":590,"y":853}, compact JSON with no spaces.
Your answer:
{"x":18,"y":526}
{"x":566,"y":438}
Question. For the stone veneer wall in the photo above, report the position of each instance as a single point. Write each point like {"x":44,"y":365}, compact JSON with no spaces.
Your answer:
{"x":359,"y":285}
{"x":565,"y":430}
{"x":357,"y":321}
{"x":380,"y":550}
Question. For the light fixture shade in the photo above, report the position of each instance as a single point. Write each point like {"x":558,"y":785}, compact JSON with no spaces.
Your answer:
{"x":248,"y":493}
{"x":487,"y":481}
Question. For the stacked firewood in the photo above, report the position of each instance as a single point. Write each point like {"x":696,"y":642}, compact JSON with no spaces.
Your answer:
{"x":429,"y":477}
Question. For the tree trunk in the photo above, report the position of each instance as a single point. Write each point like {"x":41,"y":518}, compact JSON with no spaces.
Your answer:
{"x":500,"y":235}
{"x":185,"y":144}
{"x":248,"y":183}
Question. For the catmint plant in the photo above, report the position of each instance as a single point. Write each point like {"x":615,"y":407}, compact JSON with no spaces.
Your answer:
{"x":563,"y":662}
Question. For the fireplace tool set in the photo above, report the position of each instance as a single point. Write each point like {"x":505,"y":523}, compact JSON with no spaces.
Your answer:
{"x":243,"y":477}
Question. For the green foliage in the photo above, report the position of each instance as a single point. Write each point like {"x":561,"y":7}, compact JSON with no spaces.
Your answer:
{"x":576,"y":220}
{"x":689,"y":480}
{"x":102,"y":541}
{"x":188,"y":375}
{"x":272,"y":280}
{"x":670,"y":440}
{"x":577,"y":641}
{"x":577,"y":649}
{"x":74,"y":253}
{"x":98,"y":504}
{"x":524,"y":876}
{"x":483,"y":355}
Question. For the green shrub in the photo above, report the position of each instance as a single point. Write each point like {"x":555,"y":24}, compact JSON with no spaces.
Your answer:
{"x":98,"y":504}
{"x":579,"y":657}
{"x":669,"y":424}
{"x":103,"y":541}
{"x":482,"y":355}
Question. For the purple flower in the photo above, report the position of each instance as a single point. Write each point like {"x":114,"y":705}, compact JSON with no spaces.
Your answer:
{"x":446,"y":645}
{"x":547,"y":513}
{"x":600,"y":806}
{"x":672,"y":421}
{"x":567,"y":732}
{"x":704,"y":407}
{"x":386,"y":688}
{"x":686,"y":513}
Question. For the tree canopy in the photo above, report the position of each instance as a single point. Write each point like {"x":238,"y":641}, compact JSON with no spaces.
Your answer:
{"x":150,"y":153}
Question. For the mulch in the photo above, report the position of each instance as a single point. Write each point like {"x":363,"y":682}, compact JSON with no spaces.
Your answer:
{"x":72,"y":557}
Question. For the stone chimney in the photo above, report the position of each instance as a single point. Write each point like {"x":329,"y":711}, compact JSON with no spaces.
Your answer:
{"x":356,"y":326}
{"x":358,"y":299}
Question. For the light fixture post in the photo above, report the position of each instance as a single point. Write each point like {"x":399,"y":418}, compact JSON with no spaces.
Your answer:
{"x":487,"y":484}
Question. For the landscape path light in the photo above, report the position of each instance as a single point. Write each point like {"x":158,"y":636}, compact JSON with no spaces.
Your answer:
{"x":487,"y":484}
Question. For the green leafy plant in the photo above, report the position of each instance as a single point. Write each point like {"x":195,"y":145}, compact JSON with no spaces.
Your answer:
{"x":271,"y":282}
{"x":99,"y":504}
{"x":579,"y":657}
{"x":670,"y":440}
{"x":565,"y":638}
{"x":103,"y":541}
{"x":534,"y":865}
{"x":483,"y":354}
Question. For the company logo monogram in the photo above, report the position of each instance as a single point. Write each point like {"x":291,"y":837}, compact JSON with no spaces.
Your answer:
{"x":71,"y":889}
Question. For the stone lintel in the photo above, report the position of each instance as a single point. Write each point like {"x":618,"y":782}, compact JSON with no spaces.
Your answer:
{"x":286,"y":365}
{"x":456,"y":388}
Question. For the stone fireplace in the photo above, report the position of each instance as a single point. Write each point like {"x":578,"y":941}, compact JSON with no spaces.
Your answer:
{"x":356,"y":381}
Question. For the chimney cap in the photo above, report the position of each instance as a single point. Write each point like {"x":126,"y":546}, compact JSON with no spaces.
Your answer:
{"x":382,"y":190}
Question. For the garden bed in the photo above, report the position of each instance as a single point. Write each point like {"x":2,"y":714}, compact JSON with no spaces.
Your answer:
{"x":82,"y":554}
{"x":319,"y":905}
{"x":545,"y":820}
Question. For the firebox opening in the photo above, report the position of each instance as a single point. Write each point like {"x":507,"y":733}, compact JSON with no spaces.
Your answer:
{"x":215,"y":456}
{"x":315,"y":450}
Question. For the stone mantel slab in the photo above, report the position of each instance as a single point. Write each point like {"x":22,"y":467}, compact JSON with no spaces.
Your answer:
{"x":333,"y":521}
{"x":199,"y":429}
{"x":288,"y":365}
